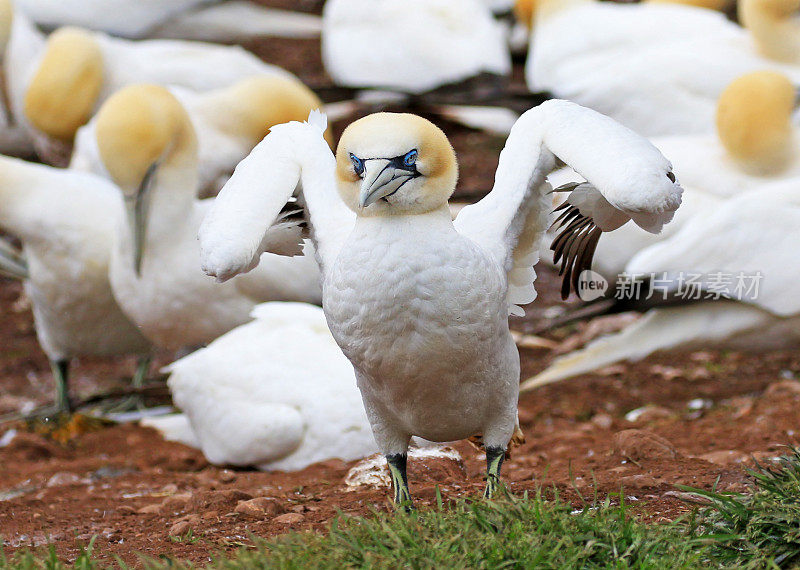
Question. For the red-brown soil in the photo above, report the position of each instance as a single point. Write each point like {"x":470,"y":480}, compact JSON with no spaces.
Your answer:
{"x":134,"y":491}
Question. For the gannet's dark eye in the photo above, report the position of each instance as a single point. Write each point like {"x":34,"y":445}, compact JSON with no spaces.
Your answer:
{"x":410,"y":158}
{"x":671,"y":176}
{"x":358,"y":164}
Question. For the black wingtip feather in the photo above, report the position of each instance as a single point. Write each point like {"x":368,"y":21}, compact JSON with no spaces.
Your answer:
{"x":574,"y":246}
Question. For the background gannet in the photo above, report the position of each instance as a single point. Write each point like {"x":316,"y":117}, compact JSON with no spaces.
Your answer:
{"x":187,"y":19}
{"x":65,"y":221}
{"x":229,"y":122}
{"x":411,"y":45}
{"x":276,"y":393}
{"x":657,"y":68}
{"x":757,"y":143}
{"x":753,"y":233}
{"x":418,"y":302}
{"x":149,"y":148}
{"x":79,"y":70}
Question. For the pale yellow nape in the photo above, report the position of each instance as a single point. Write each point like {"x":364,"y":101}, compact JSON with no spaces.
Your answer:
{"x":63,"y":93}
{"x":754,"y":120}
{"x":139,"y":126}
{"x":524,"y":11}
{"x":6,"y":21}
{"x":774,"y":26}
{"x":395,"y":134}
{"x":251,"y":107}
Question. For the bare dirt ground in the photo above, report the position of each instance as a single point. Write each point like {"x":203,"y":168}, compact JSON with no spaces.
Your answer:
{"x":709,"y":414}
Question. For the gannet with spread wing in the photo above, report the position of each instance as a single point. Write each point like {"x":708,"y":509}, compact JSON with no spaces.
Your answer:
{"x":418,"y":302}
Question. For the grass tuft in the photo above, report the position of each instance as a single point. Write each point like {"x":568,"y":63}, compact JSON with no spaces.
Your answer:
{"x":761,"y":529}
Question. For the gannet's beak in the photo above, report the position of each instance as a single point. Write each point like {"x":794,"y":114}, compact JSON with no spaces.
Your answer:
{"x":382,"y":178}
{"x":136,"y":210}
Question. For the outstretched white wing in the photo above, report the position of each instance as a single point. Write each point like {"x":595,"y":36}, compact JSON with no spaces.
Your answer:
{"x":628,"y":178}
{"x":237,"y":229}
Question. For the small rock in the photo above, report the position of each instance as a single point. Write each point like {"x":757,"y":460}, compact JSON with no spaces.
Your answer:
{"x":63,"y":478}
{"x":170,"y":488}
{"x":289,"y":518}
{"x":298,"y":509}
{"x":603,"y":421}
{"x":260,"y":507}
{"x":32,"y":447}
{"x":180,"y":528}
{"x":648,"y":414}
{"x":639,"y":481}
{"x":783,"y":388}
{"x":724,"y":457}
{"x":227,"y":476}
{"x":217,"y":499}
{"x":521,"y":474}
{"x":636,"y":444}
{"x":666,"y":372}
{"x":176,"y":502}
{"x":153,"y":509}
{"x":126,"y":510}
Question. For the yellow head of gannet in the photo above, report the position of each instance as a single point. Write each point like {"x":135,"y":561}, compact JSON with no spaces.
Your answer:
{"x":753,"y":120}
{"x":139,"y":129}
{"x":775,"y":29}
{"x":63,"y":93}
{"x":390,"y":163}
{"x":524,"y":11}
{"x":719,"y":5}
{"x":256,"y":104}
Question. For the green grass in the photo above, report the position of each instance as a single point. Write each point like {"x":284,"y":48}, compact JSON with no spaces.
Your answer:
{"x":759,"y":530}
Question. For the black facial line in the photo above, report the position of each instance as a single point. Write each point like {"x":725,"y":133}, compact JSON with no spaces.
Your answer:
{"x":398,"y":188}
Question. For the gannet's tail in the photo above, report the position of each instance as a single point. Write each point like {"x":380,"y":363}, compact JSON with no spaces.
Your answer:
{"x":659,"y":329}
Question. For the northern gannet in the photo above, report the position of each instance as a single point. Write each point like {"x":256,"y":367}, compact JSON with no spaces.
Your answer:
{"x":149,"y":148}
{"x":756,"y":143}
{"x":275,"y":392}
{"x":418,"y":302}
{"x":79,"y":70}
{"x":229,"y":122}
{"x":65,"y":221}
{"x":745,"y":246}
{"x":657,"y":68}
{"x":411,"y":46}
{"x":183,"y":19}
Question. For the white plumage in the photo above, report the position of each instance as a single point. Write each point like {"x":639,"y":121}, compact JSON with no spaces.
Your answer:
{"x":751,"y":234}
{"x":187,"y":19}
{"x":411,"y":45}
{"x":276,"y":392}
{"x":66,"y":221}
{"x":417,"y":302}
{"x":656,"y":68}
{"x":148,"y":146}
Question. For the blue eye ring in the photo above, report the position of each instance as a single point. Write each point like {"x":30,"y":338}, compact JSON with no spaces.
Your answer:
{"x":358,"y":164}
{"x":410,"y":158}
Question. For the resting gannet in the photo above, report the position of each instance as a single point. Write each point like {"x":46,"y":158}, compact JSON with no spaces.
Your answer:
{"x":229,"y":122}
{"x":756,"y":144}
{"x":148,"y":146}
{"x":65,"y":221}
{"x":657,"y":68}
{"x":418,"y":302}
{"x":744,"y":247}
{"x":79,"y":70}
{"x":289,"y":400}
{"x":411,"y":46}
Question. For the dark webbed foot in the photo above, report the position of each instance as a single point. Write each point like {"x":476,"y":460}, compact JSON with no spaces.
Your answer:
{"x":397,"y":470}
{"x":494,"y":460}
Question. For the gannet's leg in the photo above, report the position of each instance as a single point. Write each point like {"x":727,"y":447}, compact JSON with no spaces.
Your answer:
{"x":142,"y":368}
{"x":397,"y":469}
{"x":494,"y":461}
{"x":60,"y":370}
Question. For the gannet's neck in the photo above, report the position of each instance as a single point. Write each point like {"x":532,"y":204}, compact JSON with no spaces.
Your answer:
{"x":403,"y":225}
{"x":775,"y":29}
{"x":170,"y":201}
